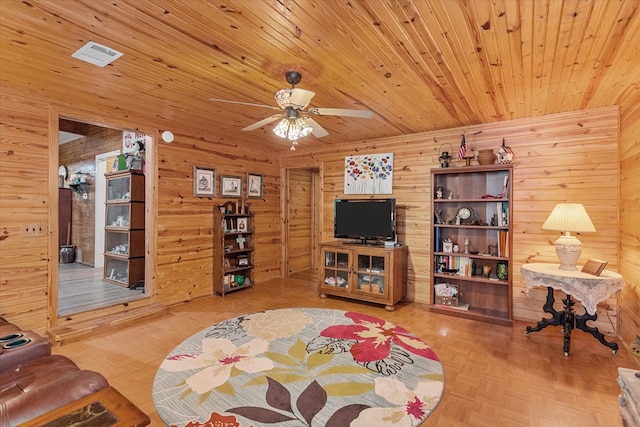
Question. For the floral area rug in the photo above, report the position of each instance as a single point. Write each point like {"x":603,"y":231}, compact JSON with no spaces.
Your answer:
{"x":299,"y":367}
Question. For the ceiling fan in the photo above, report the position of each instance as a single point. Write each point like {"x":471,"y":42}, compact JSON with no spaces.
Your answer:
{"x":295,"y":121}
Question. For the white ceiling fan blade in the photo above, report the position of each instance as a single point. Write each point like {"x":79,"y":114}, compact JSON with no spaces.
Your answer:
{"x":263,"y":122}
{"x":244,"y":103}
{"x":316,"y":130}
{"x":364,"y":114}
{"x":301,"y":97}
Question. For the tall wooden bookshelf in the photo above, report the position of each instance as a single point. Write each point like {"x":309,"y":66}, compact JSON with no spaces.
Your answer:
{"x":471,"y":247}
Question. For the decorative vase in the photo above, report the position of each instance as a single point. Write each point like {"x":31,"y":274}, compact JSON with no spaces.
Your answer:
{"x":486,"y":157}
{"x":486,"y":270}
{"x":502,"y":270}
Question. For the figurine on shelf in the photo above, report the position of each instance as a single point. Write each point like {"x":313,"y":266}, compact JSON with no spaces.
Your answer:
{"x":504,"y":153}
{"x":447,"y":245}
{"x":445,"y":159}
{"x":438,"y":215}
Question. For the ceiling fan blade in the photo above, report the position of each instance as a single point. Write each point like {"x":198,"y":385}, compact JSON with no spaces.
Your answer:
{"x":316,"y":130}
{"x":263,"y":122}
{"x":301,"y":97}
{"x":364,"y":114}
{"x":244,"y":103}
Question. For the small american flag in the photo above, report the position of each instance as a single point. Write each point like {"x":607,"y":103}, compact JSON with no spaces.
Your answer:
{"x":463,"y":147}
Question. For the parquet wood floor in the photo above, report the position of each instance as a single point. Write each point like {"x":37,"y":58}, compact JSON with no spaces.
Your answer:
{"x":494,"y":375}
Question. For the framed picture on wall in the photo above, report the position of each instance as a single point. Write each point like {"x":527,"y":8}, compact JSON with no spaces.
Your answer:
{"x":204,"y":182}
{"x":254,"y":185}
{"x":230,"y":186}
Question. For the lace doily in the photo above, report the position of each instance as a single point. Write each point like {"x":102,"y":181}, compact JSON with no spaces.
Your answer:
{"x":586,"y":288}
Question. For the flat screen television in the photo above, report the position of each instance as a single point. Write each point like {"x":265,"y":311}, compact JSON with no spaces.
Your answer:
{"x":365,"y":219}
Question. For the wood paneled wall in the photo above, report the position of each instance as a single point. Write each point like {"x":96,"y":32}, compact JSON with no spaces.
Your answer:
{"x":629,"y":304}
{"x":181,"y":224}
{"x":570,"y":156}
{"x":24,"y":199}
{"x":560,"y":157}
{"x":185,"y":235}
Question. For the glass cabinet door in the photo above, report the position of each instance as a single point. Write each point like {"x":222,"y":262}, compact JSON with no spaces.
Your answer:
{"x":124,"y":243}
{"x":123,"y":271}
{"x":117,"y":243}
{"x":117,"y":270}
{"x":118,"y":215}
{"x":336,"y":269}
{"x":371,"y":274}
{"x":119,"y":188}
{"x":125,"y":215}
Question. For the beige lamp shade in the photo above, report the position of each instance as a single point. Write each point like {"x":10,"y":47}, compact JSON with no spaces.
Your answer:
{"x":568,"y":217}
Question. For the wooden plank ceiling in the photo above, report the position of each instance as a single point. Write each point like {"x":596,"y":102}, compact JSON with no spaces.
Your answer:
{"x":418,"y":65}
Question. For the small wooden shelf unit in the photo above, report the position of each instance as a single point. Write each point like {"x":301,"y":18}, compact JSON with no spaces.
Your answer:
{"x":233,"y":248}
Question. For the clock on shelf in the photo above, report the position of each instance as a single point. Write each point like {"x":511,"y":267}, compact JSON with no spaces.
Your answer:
{"x":467,"y":215}
{"x":464,"y":213}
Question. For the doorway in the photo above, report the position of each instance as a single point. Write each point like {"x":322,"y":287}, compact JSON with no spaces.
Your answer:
{"x":80,"y":285}
{"x":302,"y":219}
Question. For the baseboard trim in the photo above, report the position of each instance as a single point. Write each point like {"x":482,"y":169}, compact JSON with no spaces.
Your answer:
{"x":66,"y":334}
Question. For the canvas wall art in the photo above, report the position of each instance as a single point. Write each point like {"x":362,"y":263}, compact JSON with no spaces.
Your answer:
{"x":368,"y":174}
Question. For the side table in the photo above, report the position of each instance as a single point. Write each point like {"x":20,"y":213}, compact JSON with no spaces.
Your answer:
{"x":104,"y":408}
{"x":586,"y":288}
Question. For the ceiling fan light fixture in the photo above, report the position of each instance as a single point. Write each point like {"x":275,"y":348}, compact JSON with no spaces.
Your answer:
{"x":299,"y":128}
{"x":293,"y":129}
{"x":282,"y":128}
{"x":295,"y":101}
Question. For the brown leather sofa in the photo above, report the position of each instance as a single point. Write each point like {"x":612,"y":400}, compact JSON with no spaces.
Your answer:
{"x":33,"y":381}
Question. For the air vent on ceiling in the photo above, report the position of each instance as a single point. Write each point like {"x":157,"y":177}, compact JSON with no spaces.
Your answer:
{"x":96,"y":54}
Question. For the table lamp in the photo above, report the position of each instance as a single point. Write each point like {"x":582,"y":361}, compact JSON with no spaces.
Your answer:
{"x":568,"y":217}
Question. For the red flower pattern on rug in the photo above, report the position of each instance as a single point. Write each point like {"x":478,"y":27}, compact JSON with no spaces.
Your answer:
{"x":375,"y":336}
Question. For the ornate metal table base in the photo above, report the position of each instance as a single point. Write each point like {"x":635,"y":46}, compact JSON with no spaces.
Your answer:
{"x":568,"y":319}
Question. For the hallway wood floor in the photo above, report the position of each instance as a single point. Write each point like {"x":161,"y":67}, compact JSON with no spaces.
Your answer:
{"x":81,"y":288}
{"x":494,"y":375}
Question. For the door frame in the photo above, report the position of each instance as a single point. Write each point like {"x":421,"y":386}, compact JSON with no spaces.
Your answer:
{"x":151,"y":209}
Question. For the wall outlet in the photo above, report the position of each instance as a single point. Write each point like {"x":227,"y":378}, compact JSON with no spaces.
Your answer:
{"x":34,"y":229}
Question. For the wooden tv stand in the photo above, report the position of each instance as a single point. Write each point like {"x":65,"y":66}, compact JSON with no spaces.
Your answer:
{"x":370,"y":273}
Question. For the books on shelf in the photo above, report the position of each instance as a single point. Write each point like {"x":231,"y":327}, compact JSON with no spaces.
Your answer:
{"x":505,"y":187}
{"x":503,"y":246}
{"x":461,"y":264}
{"x":502,"y":214}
